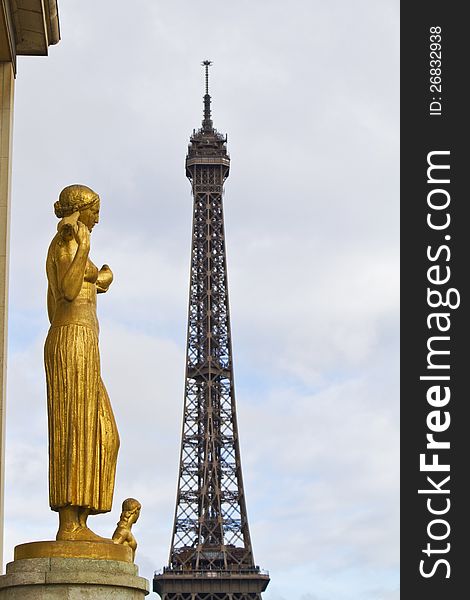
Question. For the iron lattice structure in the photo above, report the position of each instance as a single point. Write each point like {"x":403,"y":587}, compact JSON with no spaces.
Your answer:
{"x":211,"y":556}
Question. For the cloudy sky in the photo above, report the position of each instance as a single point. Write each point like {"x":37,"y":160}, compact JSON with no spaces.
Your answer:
{"x":308,"y":93}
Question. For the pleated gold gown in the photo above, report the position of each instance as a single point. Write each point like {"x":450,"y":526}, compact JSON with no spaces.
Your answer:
{"x":83,"y":437}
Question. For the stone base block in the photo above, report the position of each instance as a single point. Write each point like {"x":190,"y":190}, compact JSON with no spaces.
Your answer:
{"x":72,"y":579}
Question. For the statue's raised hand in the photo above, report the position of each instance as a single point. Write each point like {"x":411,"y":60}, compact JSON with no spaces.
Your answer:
{"x":82,"y":235}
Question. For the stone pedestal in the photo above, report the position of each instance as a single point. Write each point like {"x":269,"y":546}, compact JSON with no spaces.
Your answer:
{"x":72,"y":579}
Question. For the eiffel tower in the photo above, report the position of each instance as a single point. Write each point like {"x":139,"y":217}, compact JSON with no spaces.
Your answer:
{"x":211,"y":557}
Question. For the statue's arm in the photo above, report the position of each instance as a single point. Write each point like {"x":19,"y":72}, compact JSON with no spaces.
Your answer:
{"x":51,"y":280}
{"x":71,"y":272}
{"x":121,"y":535}
{"x":132,"y":541}
{"x":50,"y":304}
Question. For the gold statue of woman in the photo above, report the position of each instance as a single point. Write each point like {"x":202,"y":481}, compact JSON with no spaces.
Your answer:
{"x":83,"y":437}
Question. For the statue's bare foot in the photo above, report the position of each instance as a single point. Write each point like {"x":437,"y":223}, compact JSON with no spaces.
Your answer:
{"x":83,"y":534}
{"x":73,"y":527}
{"x":66,"y":534}
{"x":87,"y":535}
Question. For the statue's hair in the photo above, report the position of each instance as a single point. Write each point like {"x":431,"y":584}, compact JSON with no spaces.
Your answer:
{"x":74,"y":197}
{"x":130,"y":504}
{"x":129,"y":507}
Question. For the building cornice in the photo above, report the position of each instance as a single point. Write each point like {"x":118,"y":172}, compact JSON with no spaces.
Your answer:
{"x":28,"y":28}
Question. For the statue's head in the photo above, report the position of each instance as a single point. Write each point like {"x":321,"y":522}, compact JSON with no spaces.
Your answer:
{"x":130,"y":511}
{"x":79,"y":198}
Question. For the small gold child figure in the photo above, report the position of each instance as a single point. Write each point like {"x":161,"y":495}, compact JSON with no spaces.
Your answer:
{"x":130,"y":513}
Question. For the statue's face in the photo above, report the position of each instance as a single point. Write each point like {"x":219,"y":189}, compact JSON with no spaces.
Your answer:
{"x":90,"y":216}
{"x":135,"y":516}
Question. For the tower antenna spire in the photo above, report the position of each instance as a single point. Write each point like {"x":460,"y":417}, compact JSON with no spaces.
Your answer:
{"x":207,"y":121}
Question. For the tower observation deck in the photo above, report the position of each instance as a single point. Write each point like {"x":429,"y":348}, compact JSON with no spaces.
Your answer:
{"x":211,"y":556}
